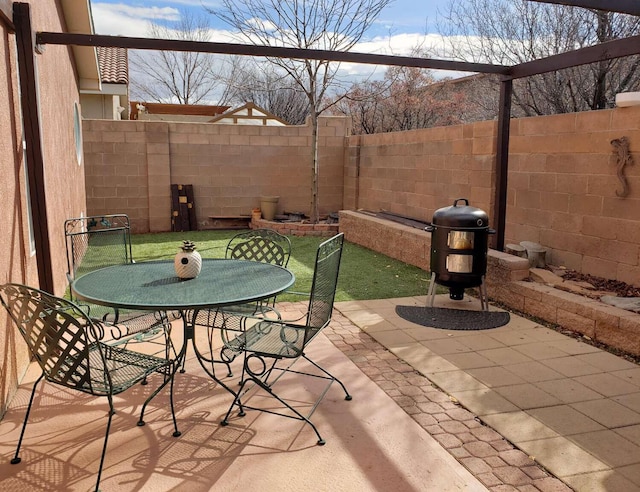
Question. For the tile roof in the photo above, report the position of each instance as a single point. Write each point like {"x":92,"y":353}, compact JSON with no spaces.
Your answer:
{"x":113,"y":64}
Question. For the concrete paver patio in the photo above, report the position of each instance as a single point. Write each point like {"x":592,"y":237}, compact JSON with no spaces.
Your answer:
{"x":571,"y":407}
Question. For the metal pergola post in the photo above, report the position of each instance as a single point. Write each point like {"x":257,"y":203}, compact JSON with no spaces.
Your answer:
{"x":33,"y":138}
{"x":502,"y":162}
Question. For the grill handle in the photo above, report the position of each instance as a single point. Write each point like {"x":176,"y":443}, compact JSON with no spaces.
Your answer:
{"x":466,"y":202}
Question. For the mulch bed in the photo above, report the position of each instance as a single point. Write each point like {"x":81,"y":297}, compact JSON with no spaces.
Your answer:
{"x":621,"y":289}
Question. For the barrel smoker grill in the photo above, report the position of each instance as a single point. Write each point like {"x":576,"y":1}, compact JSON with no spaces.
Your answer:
{"x":459,"y":245}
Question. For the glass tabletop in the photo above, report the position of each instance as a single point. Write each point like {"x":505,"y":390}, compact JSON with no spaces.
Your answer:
{"x":154,"y":285}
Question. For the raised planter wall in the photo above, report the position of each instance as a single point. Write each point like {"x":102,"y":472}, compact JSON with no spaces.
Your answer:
{"x":295,"y":228}
{"x":506,"y":283}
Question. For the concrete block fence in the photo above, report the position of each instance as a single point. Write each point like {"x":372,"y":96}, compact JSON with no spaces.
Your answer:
{"x":562,"y":179}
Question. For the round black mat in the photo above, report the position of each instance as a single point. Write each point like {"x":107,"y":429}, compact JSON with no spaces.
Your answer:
{"x":453,"y":319}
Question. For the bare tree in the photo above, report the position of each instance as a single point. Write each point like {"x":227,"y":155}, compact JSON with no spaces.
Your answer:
{"x":516,"y":31}
{"x":406,"y":99}
{"x":335,"y":25}
{"x":273,"y":91}
{"x":177,"y":76}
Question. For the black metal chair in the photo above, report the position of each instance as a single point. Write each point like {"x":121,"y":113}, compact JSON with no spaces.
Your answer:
{"x":268,"y":342}
{"x":64,"y":341}
{"x":100,"y":241}
{"x":263,"y":245}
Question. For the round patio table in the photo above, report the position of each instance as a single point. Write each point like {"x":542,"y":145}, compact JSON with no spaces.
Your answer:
{"x":154,"y":286}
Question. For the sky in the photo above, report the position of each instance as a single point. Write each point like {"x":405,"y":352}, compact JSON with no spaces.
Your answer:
{"x":400,"y":27}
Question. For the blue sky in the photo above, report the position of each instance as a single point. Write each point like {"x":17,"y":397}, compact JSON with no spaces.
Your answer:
{"x":400,"y":25}
{"x":403,"y":27}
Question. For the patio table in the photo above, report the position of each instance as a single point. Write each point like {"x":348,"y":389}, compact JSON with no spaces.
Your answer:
{"x":154,"y":286}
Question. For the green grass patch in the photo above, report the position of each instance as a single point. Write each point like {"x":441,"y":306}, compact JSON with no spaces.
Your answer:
{"x":364,"y":274}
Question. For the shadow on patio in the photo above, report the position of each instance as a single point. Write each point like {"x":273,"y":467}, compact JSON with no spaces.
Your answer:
{"x":372,"y":444}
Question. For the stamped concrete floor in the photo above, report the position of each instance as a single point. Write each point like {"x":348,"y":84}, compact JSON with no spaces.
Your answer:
{"x":566,"y":405}
{"x":372,"y":444}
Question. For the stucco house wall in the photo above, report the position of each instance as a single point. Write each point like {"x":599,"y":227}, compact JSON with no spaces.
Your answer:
{"x":64,"y":176}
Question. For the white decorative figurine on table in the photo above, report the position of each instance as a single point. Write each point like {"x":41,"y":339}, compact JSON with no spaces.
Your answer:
{"x":188,"y":261}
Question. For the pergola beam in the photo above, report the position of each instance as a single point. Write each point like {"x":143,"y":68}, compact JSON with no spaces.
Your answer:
{"x":267,"y":51}
{"x":631,"y":7}
{"x":583,"y":56}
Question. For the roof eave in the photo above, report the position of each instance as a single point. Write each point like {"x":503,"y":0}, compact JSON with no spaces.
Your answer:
{"x":77,"y":16}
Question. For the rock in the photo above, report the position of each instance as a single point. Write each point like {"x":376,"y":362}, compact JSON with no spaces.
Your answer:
{"x":561,"y":271}
{"x":581,"y":284}
{"x":536,"y":253}
{"x":582,"y":288}
{"x":544,"y":276}
{"x":627,"y":303}
{"x":530,"y":245}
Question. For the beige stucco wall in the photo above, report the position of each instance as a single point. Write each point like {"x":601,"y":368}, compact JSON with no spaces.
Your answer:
{"x":131,"y":165}
{"x":64,"y":177}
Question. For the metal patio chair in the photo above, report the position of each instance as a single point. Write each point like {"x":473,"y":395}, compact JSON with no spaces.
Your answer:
{"x":263,"y":245}
{"x":64,"y":341}
{"x":100,"y":241}
{"x":269,"y":342}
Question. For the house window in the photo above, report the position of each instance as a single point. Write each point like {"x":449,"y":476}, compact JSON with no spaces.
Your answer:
{"x":77,"y":131}
{"x":32,"y":239}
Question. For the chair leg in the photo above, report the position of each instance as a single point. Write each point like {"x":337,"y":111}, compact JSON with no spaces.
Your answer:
{"x":104,"y":446}
{"x":236,"y":401}
{"x":171,"y":379}
{"x":331,"y":376}
{"x":267,"y":388}
{"x":16,"y":458}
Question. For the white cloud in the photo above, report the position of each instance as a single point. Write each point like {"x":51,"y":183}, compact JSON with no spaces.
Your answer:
{"x":125,"y":20}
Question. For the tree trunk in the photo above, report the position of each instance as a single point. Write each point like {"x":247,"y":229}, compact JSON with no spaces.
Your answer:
{"x":314,"y":167}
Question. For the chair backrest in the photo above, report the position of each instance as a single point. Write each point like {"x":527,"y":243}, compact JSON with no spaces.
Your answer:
{"x":263,"y":245}
{"x":59,"y":335}
{"x":96,"y":242}
{"x":325,"y":282}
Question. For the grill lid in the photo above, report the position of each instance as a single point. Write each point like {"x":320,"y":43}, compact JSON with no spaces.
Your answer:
{"x":460,"y":216}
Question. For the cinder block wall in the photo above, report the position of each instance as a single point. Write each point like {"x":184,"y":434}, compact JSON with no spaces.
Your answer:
{"x":562,"y":183}
{"x":562,"y":178}
{"x":413,"y":173}
{"x":562,"y":191}
{"x":131,"y":165}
